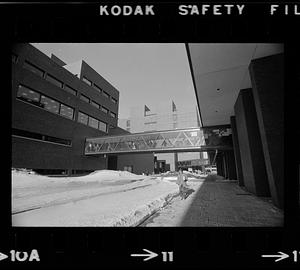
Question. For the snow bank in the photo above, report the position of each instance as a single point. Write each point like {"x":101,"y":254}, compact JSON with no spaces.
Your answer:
{"x":121,"y":207}
{"x":137,"y":216}
{"x":35,"y":191}
{"x":25,"y":179}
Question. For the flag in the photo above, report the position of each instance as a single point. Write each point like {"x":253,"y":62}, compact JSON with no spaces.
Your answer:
{"x":174,"y":109}
{"x":146,"y":110}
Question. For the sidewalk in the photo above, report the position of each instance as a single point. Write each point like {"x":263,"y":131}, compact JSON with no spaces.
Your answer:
{"x":218,"y":203}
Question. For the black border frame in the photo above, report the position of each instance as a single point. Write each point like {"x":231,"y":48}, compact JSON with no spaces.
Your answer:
{"x":193,"y":247}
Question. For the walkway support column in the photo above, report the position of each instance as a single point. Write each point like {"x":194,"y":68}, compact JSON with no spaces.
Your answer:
{"x":268,"y":91}
{"x":237,"y":155}
{"x":252,"y":158}
{"x":176,"y":161}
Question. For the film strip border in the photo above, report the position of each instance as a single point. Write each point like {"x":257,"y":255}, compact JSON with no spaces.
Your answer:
{"x":81,"y":23}
{"x":189,"y":247}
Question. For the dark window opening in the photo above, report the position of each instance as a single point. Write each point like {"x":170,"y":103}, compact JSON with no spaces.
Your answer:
{"x":82,"y":118}
{"x":113,"y":115}
{"x":33,"y":69}
{"x":102,"y":126}
{"x":70,"y":90}
{"x":95,"y":104}
{"x":97,"y":88}
{"x":103,"y":109}
{"x":54,"y":81}
{"x":49,"y":172}
{"x":94,"y":123}
{"x":50,"y":104}
{"x":105,"y":94}
{"x":84,"y":98}
{"x":30,"y":96}
{"x":87,"y":81}
{"x":66,"y":111}
{"x":40,"y":137}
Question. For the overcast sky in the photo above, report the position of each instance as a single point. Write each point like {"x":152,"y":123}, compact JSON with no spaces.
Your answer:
{"x":143,"y":73}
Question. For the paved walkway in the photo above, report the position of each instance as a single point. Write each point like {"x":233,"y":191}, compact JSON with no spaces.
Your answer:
{"x":217,"y":203}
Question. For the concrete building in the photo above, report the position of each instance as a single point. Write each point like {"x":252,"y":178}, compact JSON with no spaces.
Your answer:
{"x":55,"y":106}
{"x":242,"y":86}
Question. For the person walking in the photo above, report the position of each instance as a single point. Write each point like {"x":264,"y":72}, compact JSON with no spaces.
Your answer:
{"x":181,"y":182}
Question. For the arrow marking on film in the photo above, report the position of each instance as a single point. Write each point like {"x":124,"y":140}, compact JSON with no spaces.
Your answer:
{"x":281,"y":256}
{"x":3,"y":256}
{"x":150,"y":255}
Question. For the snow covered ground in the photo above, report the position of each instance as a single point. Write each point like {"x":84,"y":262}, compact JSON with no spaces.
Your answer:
{"x":103,"y":198}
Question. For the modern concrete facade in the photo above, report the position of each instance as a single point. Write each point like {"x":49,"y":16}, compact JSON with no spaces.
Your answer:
{"x":260,"y":129}
{"x":250,"y":146}
{"x":267,"y":76}
{"x":246,"y":84}
{"x":54,"y":110}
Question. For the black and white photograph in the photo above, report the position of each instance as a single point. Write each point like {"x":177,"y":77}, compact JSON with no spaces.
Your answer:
{"x":147,"y":134}
{"x":157,"y":134}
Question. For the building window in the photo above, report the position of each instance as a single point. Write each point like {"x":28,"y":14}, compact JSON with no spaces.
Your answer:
{"x":114,"y":100}
{"x":127,"y":123}
{"x":102,"y":126}
{"x":113,"y":115}
{"x":54,"y":81}
{"x":175,"y":125}
{"x":95,"y":104}
{"x":105,"y":94}
{"x":50,"y":104}
{"x":66,"y":111}
{"x":14,"y":58}
{"x":28,"y":95}
{"x":70,"y":90}
{"x":97,"y":88}
{"x":84,"y":98}
{"x":103,"y":109}
{"x":33,"y":69}
{"x":94,"y":123}
{"x":35,"y":98}
{"x":40,"y":137}
{"x":82,"y":118}
{"x":87,"y":81}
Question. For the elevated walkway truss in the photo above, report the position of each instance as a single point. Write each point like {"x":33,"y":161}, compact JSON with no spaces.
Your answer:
{"x":162,"y":141}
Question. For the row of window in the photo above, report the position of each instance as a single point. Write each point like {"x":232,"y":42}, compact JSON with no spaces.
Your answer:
{"x":33,"y":97}
{"x":40,"y":137}
{"x":28,"y":95}
{"x":95,"y":86}
{"x":91,"y":121}
{"x":31,"y":67}
{"x":95,"y":104}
